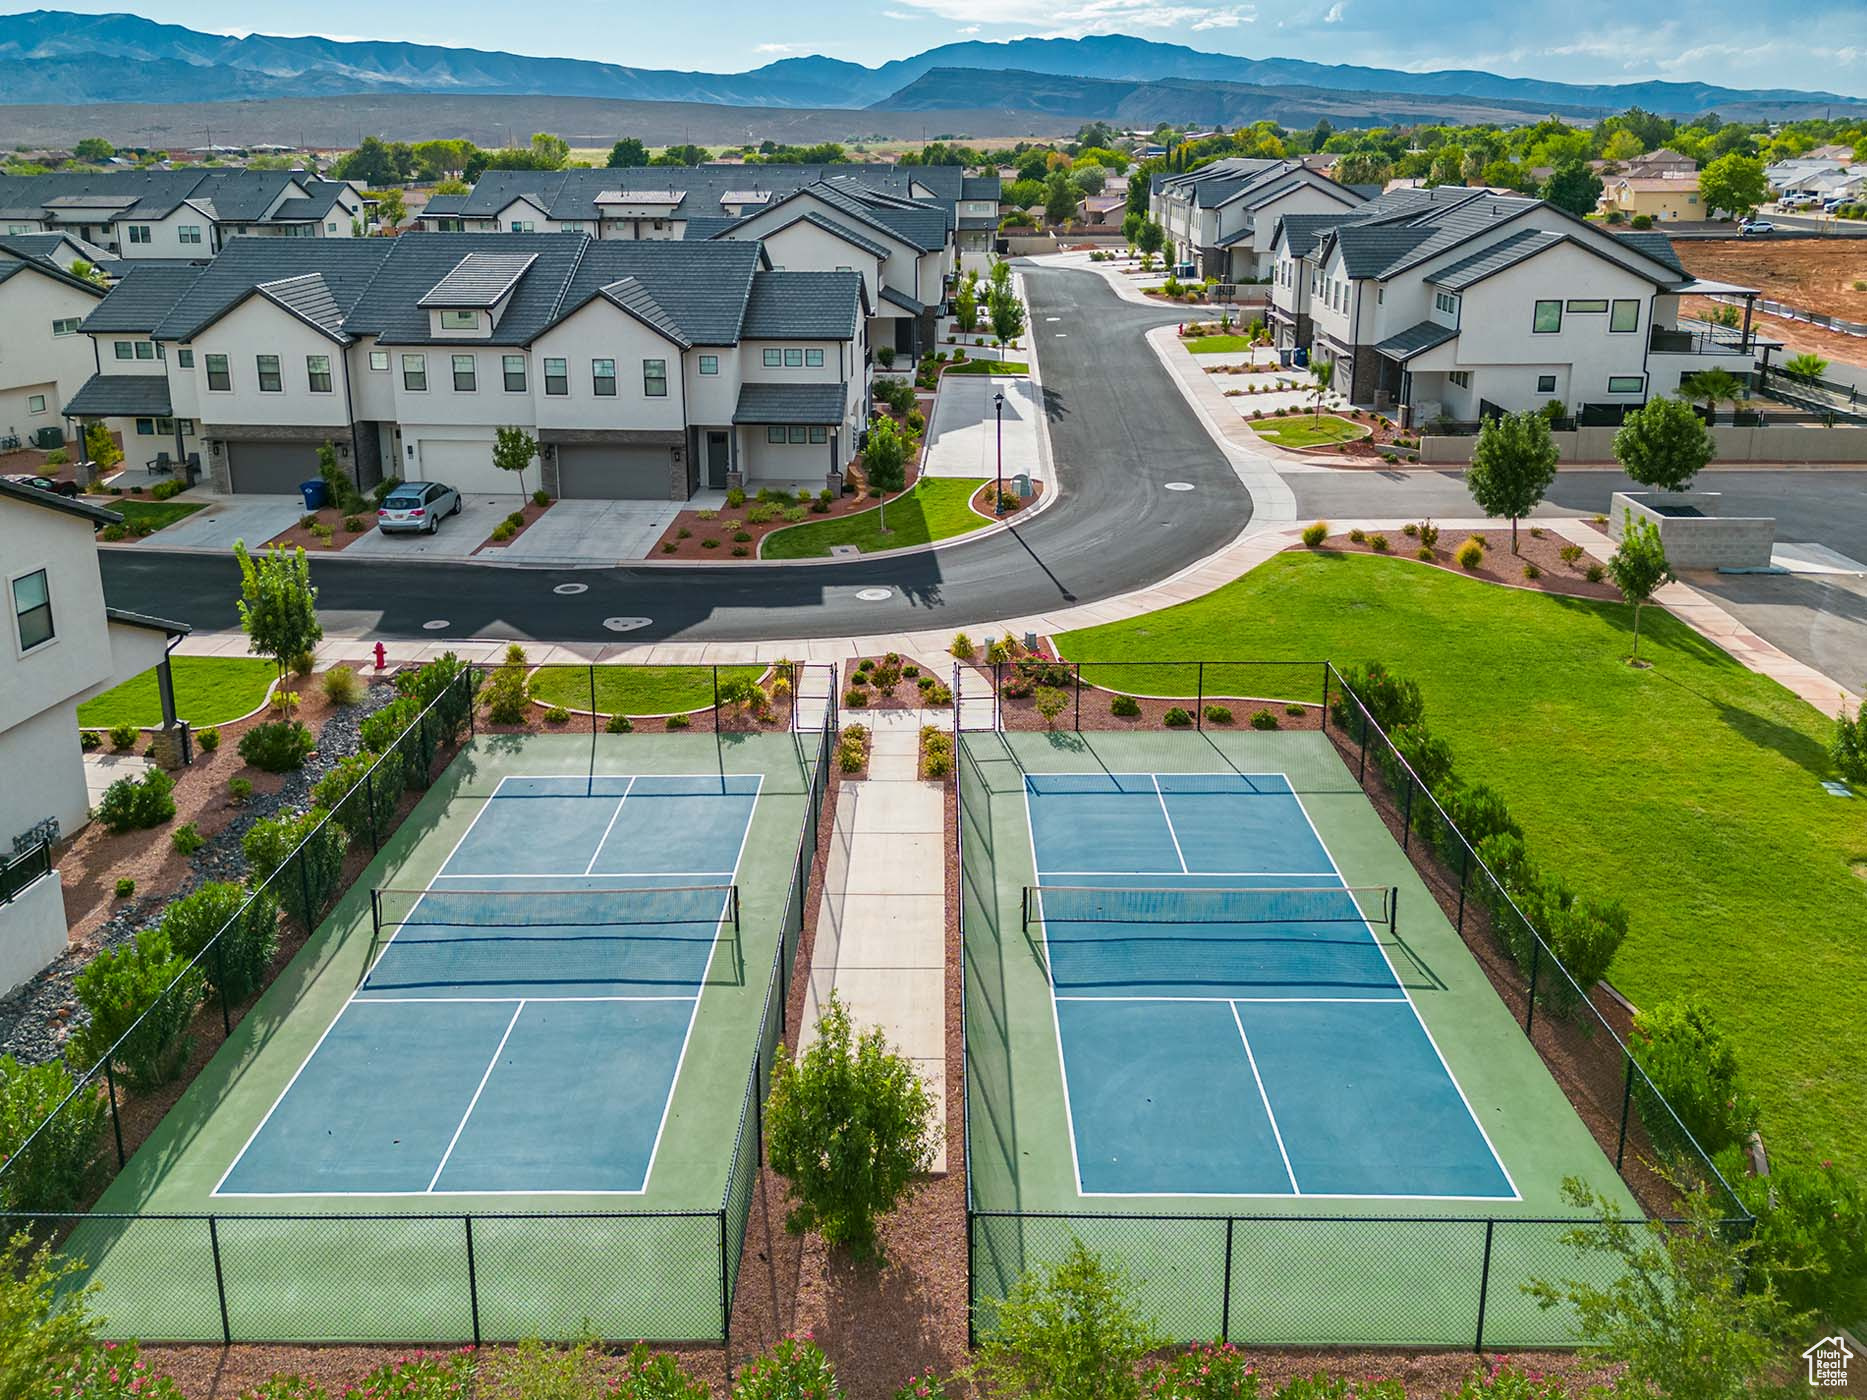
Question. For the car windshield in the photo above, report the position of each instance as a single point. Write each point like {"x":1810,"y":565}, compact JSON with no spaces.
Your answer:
{"x":402,"y":500}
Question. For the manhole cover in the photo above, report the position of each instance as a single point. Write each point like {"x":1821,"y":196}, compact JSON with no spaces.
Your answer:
{"x":627,"y":624}
{"x":876,"y":595}
{"x":569,"y":590}
{"x":1179,"y":486}
{"x":844,"y":551}
{"x":439,"y":624}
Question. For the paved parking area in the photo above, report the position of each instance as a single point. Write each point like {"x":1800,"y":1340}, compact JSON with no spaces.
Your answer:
{"x":593,"y":532}
{"x":254,"y":519}
{"x":962,"y":440}
{"x":457,"y":538}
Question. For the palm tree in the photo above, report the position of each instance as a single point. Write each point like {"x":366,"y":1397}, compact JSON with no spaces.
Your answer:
{"x":1713,"y":387}
{"x":1322,"y":372}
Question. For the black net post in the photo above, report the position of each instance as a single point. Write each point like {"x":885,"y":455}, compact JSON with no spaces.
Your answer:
{"x":220,"y":983}
{"x":466,"y":678}
{"x":972,"y":1331}
{"x":1465,"y":870}
{"x":220,"y":1280}
{"x":1225,"y":1298}
{"x":726,"y":1301}
{"x":1325,"y":697}
{"x":1406,"y":819}
{"x":1627,"y":1104}
{"x":116,"y":1122}
{"x":427,"y":751}
{"x":1484,"y":1286}
{"x":1078,"y":725}
{"x":369,"y":797}
{"x":1199,"y":698}
{"x":473,"y":1280}
{"x":1361,"y":771}
{"x":304,"y":887}
{"x":1536,"y":968}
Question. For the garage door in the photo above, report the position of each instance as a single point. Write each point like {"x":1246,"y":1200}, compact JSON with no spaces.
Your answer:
{"x":614,"y":473}
{"x":467,"y":466}
{"x":271,"y":468}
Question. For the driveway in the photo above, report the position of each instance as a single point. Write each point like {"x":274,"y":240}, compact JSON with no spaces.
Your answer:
{"x":962,"y":440}
{"x":457,"y":538}
{"x":254,"y":519}
{"x":593,"y":532}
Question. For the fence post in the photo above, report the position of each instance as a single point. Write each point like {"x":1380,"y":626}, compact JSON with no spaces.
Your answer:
{"x":593,"y":697}
{"x":473,"y":1280}
{"x":972,"y":1331}
{"x":1536,"y":967}
{"x":304,"y":887}
{"x":1627,"y":1102}
{"x":466,"y":678}
{"x":1406,"y":820}
{"x":1361,"y":772}
{"x":1465,"y":870}
{"x":758,"y":1101}
{"x":220,"y":982}
{"x":116,"y":1123}
{"x":726,"y":1302}
{"x":1225,"y":1306}
{"x":220,"y":1280}
{"x":1484,"y":1287}
{"x":1199,"y":698}
{"x":369,"y":797}
{"x":998,"y":699}
{"x":1325,"y":697}
{"x":1078,"y":724}
{"x":716,"y":695}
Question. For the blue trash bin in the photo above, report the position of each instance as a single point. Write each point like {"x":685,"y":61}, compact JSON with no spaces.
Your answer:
{"x":316,"y":494}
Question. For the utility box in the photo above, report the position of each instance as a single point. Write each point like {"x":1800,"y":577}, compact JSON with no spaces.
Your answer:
{"x":1021,"y":486}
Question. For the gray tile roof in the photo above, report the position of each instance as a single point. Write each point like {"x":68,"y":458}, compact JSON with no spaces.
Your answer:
{"x":925,"y":226}
{"x":571,"y":194}
{"x":1656,"y":246}
{"x":389,"y":305}
{"x":46,"y":500}
{"x":308,"y":296}
{"x":803,"y":306}
{"x":448,"y":204}
{"x":815,"y":404}
{"x":981,"y":187}
{"x":634,"y":298}
{"x":347,"y":266}
{"x":143,"y":296}
{"x":121,"y":396}
{"x":1416,"y":339}
{"x":147,"y":621}
{"x":1506,"y":252}
{"x":1302,"y":232}
{"x":241,"y":196}
{"x":45,"y":267}
{"x":702,"y":287}
{"x":903,"y":300}
{"x":479,"y":279}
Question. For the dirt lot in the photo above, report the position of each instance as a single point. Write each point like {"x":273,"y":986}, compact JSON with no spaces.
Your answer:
{"x":1826,"y":275}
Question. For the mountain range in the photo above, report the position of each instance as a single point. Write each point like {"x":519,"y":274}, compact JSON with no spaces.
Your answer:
{"x":53,"y":57}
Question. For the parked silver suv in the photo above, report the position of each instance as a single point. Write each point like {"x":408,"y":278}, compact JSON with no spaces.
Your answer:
{"x":417,"y":505}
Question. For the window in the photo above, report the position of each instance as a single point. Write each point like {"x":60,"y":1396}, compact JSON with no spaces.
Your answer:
{"x":1590,"y":307}
{"x":331,"y":227}
{"x":379,"y":361}
{"x":187,"y":426}
{"x":655,"y":378}
{"x":557,"y":378}
{"x":774,"y":434}
{"x":460,"y":320}
{"x":819,"y":434}
{"x":66,"y":325}
{"x":1446,"y":302}
{"x":1548,"y":318}
{"x":797,"y":433}
{"x":270,"y":381}
{"x":145,"y":349}
{"x":188,"y":233}
{"x":1546,"y":383}
{"x":813,"y":359}
{"x":1461,"y":377}
{"x":709,"y":364}
{"x":184,"y":359}
{"x":415,"y":373}
{"x":1625,"y":317}
{"x":145,"y":427}
{"x":35,"y":403}
{"x":218,"y":378}
{"x":1626,"y":383}
{"x":32,"y":609}
{"x":513,"y":367}
{"x":603,"y":378}
{"x":774,"y":359}
{"x":522,"y":225}
{"x":793,"y":359}
{"x":466,"y":378}
{"x":139,"y":233}
{"x":318,"y":373}
{"x":124,"y":350}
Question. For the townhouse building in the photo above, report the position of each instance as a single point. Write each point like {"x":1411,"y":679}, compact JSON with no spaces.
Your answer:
{"x":44,"y":359}
{"x":188,"y":213}
{"x":1222,"y":217}
{"x":646,"y":369}
{"x":1457,"y":303}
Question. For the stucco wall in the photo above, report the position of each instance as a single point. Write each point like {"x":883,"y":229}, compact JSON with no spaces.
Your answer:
{"x":32,"y":931}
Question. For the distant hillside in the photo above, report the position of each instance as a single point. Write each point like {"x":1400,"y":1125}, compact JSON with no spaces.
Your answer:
{"x":51,"y":56}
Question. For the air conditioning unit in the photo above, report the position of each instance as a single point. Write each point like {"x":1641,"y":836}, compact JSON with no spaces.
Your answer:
{"x":45,"y":439}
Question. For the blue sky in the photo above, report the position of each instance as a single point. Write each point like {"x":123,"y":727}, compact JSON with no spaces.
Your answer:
{"x":1744,"y":43}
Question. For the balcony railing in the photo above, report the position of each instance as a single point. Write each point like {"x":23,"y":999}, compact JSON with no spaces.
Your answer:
{"x":1664,"y":341}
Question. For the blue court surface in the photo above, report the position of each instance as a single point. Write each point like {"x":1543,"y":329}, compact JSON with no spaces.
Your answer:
{"x":1229,"y":1021}
{"x":525,"y":1017}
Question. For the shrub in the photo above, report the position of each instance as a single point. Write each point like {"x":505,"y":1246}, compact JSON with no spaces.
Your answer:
{"x":1378,"y":543}
{"x":1428,"y":533}
{"x":323,"y":534}
{"x":735,"y":497}
{"x":1314,"y":534}
{"x":89,"y":739}
{"x":355,"y":524}
{"x":848,"y":1127}
{"x":115,"y":531}
{"x":1425,"y":554}
{"x":1391,"y":700}
{"x":379,"y":730}
{"x":187,"y":838}
{"x":1531,"y":572}
{"x":962,"y":647}
{"x":557,"y":714}
{"x":618,"y":724}
{"x":1176,"y":718}
{"x":237,"y":963}
{"x":125,"y":887}
{"x":852,"y":748}
{"x":1570,"y":553}
{"x":134,"y":804}
{"x":508,"y":691}
{"x":365,"y":815}
{"x":677,"y":722}
{"x":51,"y":1174}
{"x":793,"y":514}
{"x":1050,"y":703}
{"x":124,"y":736}
{"x":319,"y":860}
{"x":1694,"y":1066}
{"x":1357,"y":535}
{"x":1479,"y":812}
{"x":342,"y":686}
{"x":1584,"y":932}
{"x":504,"y":531}
{"x":1848,"y":747}
{"x":885,"y":356}
{"x":936,"y":751}
{"x":1294,"y":711}
{"x":1471,"y":554}
{"x":308,"y":522}
{"x":1595,"y":573}
{"x":709,"y":543}
{"x":1810,"y":1240}
{"x":1218,"y":714}
{"x":1642,"y":221}
{"x":1203,"y":1373}
{"x":208,"y":738}
{"x":1066,"y":1329}
{"x":239,"y":789}
{"x":163,"y":490}
{"x":284,"y":701}
{"x":128,"y":982}
{"x":794,"y":1369}
{"x":1264,"y":719}
{"x":856,"y":698}
{"x":761,"y":515}
{"x":541,"y":498}
{"x":276,"y":747}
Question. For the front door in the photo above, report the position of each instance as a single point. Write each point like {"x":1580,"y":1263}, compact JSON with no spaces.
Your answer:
{"x":716,"y":461}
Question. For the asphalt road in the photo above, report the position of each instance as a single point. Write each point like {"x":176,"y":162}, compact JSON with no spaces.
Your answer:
{"x":1119,"y":432}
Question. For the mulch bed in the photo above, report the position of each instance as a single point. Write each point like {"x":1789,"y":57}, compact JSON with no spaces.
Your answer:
{"x":531,"y":511}
{"x":730,"y":520}
{"x":902,"y":693}
{"x":300,"y":534}
{"x":703,"y":721}
{"x":982,"y":499}
{"x":1500,"y":565}
{"x":1385,"y":437}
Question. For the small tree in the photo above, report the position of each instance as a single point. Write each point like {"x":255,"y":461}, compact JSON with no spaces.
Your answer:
{"x":1848,"y":748}
{"x":101,"y":447}
{"x":1131,"y":228}
{"x":1734,"y":183}
{"x":1639,"y":567}
{"x":49,"y":1331}
{"x":966,"y":306}
{"x":1513,"y":464}
{"x":1805,"y":366}
{"x":278,"y":604}
{"x":849,"y":1126}
{"x":1322,"y":380}
{"x":1663,"y":445}
{"x":1060,"y":197}
{"x":885,"y":462}
{"x":391,"y":209}
{"x":627,"y":154}
{"x":1711,"y":387}
{"x":513,"y":451}
{"x":1573,"y":187}
{"x":90,"y":272}
{"x":1007,"y":316}
{"x":1679,"y":1315}
{"x":1151,"y":238}
{"x":1068,"y":1331}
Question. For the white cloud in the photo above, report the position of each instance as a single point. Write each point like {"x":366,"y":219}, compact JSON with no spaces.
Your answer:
{"x":1335,"y":13}
{"x":1072,"y":18}
{"x":777,"y":48}
{"x":969,"y":29}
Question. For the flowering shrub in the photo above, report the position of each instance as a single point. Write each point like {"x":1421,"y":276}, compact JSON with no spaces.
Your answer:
{"x":655,"y":1376}
{"x":1499,"y":1380}
{"x":1204,"y":1373}
{"x":794,"y":1369}
{"x":110,"y":1371}
{"x":421,"y":1375}
{"x":286,"y":1387}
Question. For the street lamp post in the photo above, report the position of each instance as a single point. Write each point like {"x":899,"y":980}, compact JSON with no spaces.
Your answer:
{"x":998,"y":486}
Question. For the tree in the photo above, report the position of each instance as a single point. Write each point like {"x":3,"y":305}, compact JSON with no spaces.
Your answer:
{"x":391,"y":209}
{"x":1088,"y":177}
{"x":451,"y":186}
{"x":1068,"y":1331}
{"x":849,"y":1127}
{"x":1622,"y":145}
{"x":1734,"y":183}
{"x":1573,"y":187}
{"x":1713,"y":387}
{"x":513,"y":451}
{"x":1663,"y":445}
{"x":1152,"y":238}
{"x":1007,"y":315}
{"x":372,"y":162}
{"x":101,"y":447}
{"x":1322,"y":379}
{"x":88,"y":272}
{"x":1639,"y":567}
{"x":627,"y":154}
{"x":94,"y":150}
{"x":1805,"y":366}
{"x":551,"y":151}
{"x":46,"y":1330}
{"x":966,"y":306}
{"x":1060,"y":198}
{"x":1131,"y":227}
{"x":1513,"y":464}
{"x":683,"y":155}
{"x":885,"y":462}
{"x":1361,"y":168}
{"x":278,"y":605}
{"x":1680,"y":1315}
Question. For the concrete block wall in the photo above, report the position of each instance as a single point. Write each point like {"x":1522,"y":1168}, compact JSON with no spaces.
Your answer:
{"x":1704,"y":541}
{"x":1810,"y":444}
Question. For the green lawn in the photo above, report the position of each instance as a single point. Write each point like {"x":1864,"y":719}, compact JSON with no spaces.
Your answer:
{"x":1689,"y":790}
{"x":208,"y":690}
{"x":1307,"y":431}
{"x":989,"y":367}
{"x":1218,"y":344}
{"x":159,"y":514}
{"x":634,"y":690}
{"x":937,"y":508}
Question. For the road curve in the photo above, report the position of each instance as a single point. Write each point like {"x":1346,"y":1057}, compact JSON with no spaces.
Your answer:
{"x":1119,"y":432}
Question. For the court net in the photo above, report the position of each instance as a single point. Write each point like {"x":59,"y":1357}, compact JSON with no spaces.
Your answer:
{"x":1127,"y":904}
{"x":589,"y":907}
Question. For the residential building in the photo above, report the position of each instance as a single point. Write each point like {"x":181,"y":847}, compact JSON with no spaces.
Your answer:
{"x":1454,"y":302}
{"x":1221,"y":217}
{"x":187,"y":213}
{"x":1663,"y":163}
{"x":1662,"y":198}
{"x":44,"y":359}
{"x":646,"y":369}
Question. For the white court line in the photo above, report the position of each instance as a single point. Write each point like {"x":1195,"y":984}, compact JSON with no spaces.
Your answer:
{"x":1269,"y":1112}
{"x":1215,"y":874}
{"x":607,"y":875}
{"x":491,"y":1064}
{"x":621,"y":802}
{"x":1167,"y":817}
{"x":1269,"y":1001}
{"x":497,"y":1001}
{"x":1050,"y":988}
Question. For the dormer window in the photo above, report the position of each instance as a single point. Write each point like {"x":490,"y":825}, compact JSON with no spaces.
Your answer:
{"x":460,"y":320}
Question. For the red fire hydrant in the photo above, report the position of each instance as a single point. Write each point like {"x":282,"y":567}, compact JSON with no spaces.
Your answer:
{"x":382,"y":656}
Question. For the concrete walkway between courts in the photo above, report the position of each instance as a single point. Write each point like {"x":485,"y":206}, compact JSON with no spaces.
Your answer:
{"x":881,"y":924}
